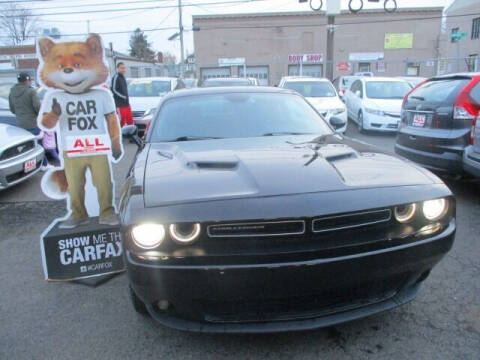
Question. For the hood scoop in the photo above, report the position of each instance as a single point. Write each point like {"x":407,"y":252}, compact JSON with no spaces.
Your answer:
{"x":214,"y":165}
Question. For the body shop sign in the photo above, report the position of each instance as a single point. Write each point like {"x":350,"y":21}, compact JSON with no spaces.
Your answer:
{"x":69,"y":255}
{"x":305,"y":58}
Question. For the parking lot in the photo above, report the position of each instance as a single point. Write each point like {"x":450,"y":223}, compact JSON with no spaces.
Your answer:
{"x":69,"y":321}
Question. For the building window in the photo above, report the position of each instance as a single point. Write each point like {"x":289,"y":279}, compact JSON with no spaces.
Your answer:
{"x":364,"y":67}
{"x":413,"y":69}
{"x":476,"y":28}
{"x":148,"y":72}
{"x":305,"y":70}
{"x":454,"y":31}
{"x":472,"y":62}
{"x":134,"y":73}
{"x":158,"y":72}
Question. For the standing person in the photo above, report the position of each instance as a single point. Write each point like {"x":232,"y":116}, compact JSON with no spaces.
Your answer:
{"x":49,"y":143}
{"x":25,"y":104}
{"x":120,"y":95}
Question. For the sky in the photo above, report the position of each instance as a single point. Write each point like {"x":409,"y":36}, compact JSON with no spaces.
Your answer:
{"x":124,"y":16}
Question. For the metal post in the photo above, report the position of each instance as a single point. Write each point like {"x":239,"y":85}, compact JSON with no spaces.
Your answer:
{"x":458,"y":55}
{"x":330,"y":43}
{"x":88,"y":26}
{"x":180,"y":25}
{"x":301,"y":67}
{"x":244,"y":70}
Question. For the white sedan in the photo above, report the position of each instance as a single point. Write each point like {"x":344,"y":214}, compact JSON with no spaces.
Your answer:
{"x":321,"y":94}
{"x":375,"y":103}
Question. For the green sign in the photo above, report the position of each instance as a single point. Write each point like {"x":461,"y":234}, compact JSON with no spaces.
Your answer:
{"x":399,"y":41}
{"x":458,"y":36}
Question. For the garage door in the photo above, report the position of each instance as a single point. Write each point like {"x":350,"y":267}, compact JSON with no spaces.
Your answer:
{"x":207,"y":73}
{"x":307,"y":70}
{"x":258,"y":72}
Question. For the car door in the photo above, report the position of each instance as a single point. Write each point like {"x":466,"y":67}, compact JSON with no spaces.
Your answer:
{"x":356,"y":98}
{"x":348,"y":97}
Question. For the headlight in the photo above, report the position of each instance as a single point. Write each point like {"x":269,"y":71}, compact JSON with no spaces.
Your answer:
{"x":148,"y":236}
{"x":434,"y":209}
{"x":185,"y":233}
{"x":404,"y":213}
{"x":375,"y":111}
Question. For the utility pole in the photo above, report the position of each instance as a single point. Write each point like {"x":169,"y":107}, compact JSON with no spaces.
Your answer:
{"x":88,"y":26}
{"x":180,"y":26}
{"x":330,"y":46}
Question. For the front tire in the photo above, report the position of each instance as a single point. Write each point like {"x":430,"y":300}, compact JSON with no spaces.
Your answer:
{"x":138,"y":304}
{"x":361,"y":129}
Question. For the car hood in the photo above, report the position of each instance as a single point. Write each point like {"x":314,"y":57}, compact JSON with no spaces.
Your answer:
{"x":192,"y":171}
{"x":144,"y":103}
{"x":11,"y":135}
{"x":388,"y":105}
{"x":326,"y":103}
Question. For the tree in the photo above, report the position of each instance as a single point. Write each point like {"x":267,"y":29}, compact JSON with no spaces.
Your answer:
{"x":17,"y":23}
{"x":140,"y":47}
{"x":169,"y":59}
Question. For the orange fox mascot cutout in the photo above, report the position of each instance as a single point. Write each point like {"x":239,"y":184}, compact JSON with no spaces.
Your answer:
{"x":84,"y":116}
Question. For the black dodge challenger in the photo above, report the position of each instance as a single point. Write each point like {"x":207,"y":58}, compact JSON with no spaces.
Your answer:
{"x":244,"y":211}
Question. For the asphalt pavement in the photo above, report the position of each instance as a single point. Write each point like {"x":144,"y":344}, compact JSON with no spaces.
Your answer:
{"x":41,"y":320}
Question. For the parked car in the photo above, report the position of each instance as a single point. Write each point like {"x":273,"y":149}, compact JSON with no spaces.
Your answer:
{"x":244,"y":211}
{"x":144,"y":123}
{"x":20,"y":155}
{"x":145,"y":93}
{"x":374,"y":103}
{"x":321,"y":94}
{"x":342,"y":84}
{"x":5,"y":89}
{"x":254,"y":81}
{"x":216,"y":82}
{"x":413,"y":80}
{"x":437,"y":121}
{"x":190,"y":83}
{"x":6,"y":117}
{"x":471,"y":155}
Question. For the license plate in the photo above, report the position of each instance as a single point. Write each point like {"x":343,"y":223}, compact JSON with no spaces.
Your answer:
{"x":30,"y":165}
{"x":419,"y":120}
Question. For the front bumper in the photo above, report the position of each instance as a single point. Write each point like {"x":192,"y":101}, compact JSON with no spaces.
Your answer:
{"x":12,"y":170}
{"x":380,"y":123}
{"x":275,"y":297}
{"x":471,"y":162}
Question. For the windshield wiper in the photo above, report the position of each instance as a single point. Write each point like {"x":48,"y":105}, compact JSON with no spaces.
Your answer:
{"x":190,"y":137}
{"x":285,"y":133}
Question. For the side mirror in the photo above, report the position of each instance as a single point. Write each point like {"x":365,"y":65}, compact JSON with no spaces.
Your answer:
{"x":131,"y":131}
{"x":358,"y":93}
{"x":336,"y":122}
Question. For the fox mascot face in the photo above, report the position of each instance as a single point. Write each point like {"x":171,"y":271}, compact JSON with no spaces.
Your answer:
{"x":84,"y":116}
{"x":72,"y":66}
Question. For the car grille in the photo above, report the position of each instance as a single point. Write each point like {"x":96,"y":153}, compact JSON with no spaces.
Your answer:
{"x":20,"y":174}
{"x":349,"y":221}
{"x":138,"y":114}
{"x":298,"y":307}
{"x":253,"y":229}
{"x":17,"y":150}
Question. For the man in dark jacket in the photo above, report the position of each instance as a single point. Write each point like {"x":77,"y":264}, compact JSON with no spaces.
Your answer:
{"x":25,"y":104}
{"x":120,"y":95}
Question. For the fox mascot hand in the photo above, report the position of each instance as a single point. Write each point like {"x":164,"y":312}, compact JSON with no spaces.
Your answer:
{"x":50,"y":119}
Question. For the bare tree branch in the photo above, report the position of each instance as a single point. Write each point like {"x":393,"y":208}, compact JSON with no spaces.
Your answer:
{"x":20,"y":27}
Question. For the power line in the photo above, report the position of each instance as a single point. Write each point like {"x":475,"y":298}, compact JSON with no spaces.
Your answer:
{"x":132,"y":9}
{"x":91,"y":5}
{"x":339,"y":23}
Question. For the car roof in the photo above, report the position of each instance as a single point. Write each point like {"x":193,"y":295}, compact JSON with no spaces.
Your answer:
{"x":153,"y":78}
{"x":226,"y":79}
{"x":461,"y":74}
{"x":378,"y":78}
{"x":228,"y":90}
{"x":305,"y":78}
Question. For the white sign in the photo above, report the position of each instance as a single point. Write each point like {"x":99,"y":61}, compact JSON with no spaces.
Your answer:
{"x":18,"y":56}
{"x":333,"y":7}
{"x":305,"y":58}
{"x":82,"y":145}
{"x":370,"y":56}
{"x":231,"y":61}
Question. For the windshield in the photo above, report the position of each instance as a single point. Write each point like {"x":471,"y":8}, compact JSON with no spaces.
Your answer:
{"x":148,"y":88}
{"x":189,"y":83}
{"x":438,"y":90}
{"x":387,"y":89}
{"x":233,"y":82}
{"x":311,"y":88}
{"x":236,"y":115}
